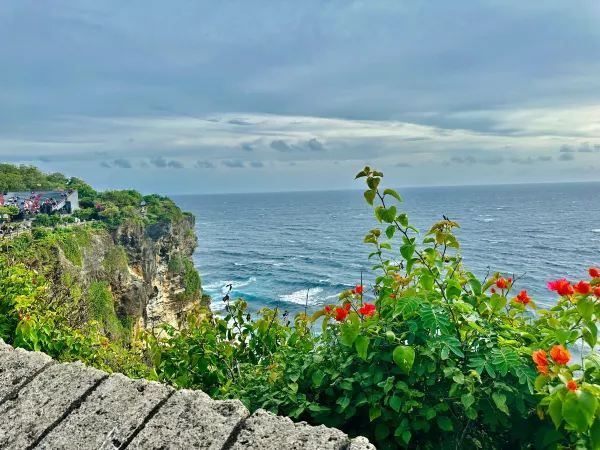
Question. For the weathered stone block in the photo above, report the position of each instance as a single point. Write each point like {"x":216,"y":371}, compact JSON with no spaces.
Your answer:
{"x":361,"y":443}
{"x":264,"y":430}
{"x":190,"y":419}
{"x":43,"y":402}
{"x":109,"y":416}
{"x":17,"y":366}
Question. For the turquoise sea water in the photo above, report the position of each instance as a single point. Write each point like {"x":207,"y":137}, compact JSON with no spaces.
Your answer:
{"x":274,"y":247}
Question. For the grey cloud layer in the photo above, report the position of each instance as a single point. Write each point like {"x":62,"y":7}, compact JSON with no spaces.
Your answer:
{"x":295,"y":85}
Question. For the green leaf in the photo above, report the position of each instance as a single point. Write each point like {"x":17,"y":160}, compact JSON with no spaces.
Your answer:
{"x":434,"y":319}
{"x":374,"y":413}
{"x":500,"y":401}
{"x":467,"y":400}
{"x":427,"y":281}
{"x":444,"y":423}
{"x":362,"y":344}
{"x":406,"y":306}
{"x":555,"y":411}
{"x":407,"y":251}
{"x":475,"y":286}
{"x":585,"y":308}
{"x":389,"y":231}
{"x":370,"y":196}
{"x":317,"y":378}
{"x":404,"y":357}
{"x":392,"y":193}
{"x":363,"y":173}
{"x":403,"y":219}
{"x":504,"y":359}
{"x":497,"y":302}
{"x":406,"y":435}
{"x":379,"y":213}
{"x":396,"y":403}
{"x":348,"y":333}
{"x":373,"y":182}
{"x":389,"y":214}
{"x":578,"y":409}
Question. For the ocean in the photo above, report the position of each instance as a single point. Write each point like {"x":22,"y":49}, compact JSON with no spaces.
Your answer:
{"x":275,"y":248}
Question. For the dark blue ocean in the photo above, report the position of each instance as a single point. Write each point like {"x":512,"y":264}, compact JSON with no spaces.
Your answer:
{"x":275,"y":247}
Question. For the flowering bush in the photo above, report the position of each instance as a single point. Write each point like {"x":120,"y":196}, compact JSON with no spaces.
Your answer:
{"x":428,"y":357}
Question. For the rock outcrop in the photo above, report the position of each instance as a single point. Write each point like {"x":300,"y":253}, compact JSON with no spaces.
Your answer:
{"x":147,"y":268}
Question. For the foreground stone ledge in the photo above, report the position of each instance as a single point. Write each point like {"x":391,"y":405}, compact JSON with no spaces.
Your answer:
{"x":191,"y":419}
{"x":43,"y":402}
{"x":266,"y":431}
{"x":109,"y":416}
{"x":47,"y":405}
{"x":17,"y":367}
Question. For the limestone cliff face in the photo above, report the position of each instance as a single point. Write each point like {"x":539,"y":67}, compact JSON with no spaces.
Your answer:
{"x":147,"y":268}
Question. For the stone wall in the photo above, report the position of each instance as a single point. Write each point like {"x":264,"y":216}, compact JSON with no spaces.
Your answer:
{"x":47,"y":405}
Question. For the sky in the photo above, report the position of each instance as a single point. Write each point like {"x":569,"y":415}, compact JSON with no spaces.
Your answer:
{"x":245,"y":96}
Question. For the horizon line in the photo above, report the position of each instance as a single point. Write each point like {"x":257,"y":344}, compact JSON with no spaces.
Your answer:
{"x":531,"y":183}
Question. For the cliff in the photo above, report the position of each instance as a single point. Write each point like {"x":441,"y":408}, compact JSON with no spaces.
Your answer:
{"x":136,"y":275}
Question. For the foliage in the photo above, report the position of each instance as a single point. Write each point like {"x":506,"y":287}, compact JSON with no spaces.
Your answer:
{"x":429,"y":357}
{"x":111,"y":207}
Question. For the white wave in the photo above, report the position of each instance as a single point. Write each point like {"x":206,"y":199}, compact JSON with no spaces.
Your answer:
{"x":222,"y":285}
{"x":299,"y":297}
{"x":596,"y":230}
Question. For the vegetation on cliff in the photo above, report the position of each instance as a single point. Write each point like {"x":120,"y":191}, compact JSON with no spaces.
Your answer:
{"x":430,"y":357}
{"x":110,"y":207}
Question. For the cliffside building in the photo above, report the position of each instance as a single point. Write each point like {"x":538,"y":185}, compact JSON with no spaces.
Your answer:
{"x":32,"y":203}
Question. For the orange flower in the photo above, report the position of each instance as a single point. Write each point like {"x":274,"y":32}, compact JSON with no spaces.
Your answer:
{"x":560,"y":355}
{"x":543,"y":370}
{"x":597,"y":291}
{"x":594,"y":272}
{"x":392,"y":295}
{"x":572,"y":385}
{"x":501,"y":283}
{"x":562,"y":287}
{"x":540,"y":357}
{"x":368,"y":309}
{"x":341,"y":314}
{"x":523,"y":298}
{"x":582,"y":288}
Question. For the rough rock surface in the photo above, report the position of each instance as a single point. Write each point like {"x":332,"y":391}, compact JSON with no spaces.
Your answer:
{"x":70,"y":406}
{"x":143,"y":287}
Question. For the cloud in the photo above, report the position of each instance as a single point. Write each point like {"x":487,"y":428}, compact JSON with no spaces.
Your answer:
{"x":566,"y":149}
{"x":122,"y":163}
{"x":313,"y":145}
{"x":233,"y":163}
{"x":566,"y":157}
{"x":119,"y":163}
{"x":530,"y":159}
{"x":163,"y":163}
{"x":239,"y":122}
{"x":204,"y":165}
{"x":470,"y":159}
{"x":256,"y":164}
{"x":247,"y":146}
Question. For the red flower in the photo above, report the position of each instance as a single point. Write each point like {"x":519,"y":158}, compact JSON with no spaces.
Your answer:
{"x":509,"y":280}
{"x":368,"y":309}
{"x":572,"y":385}
{"x":341,"y":314}
{"x":327,"y":309}
{"x":501,"y":283}
{"x":540,"y":358}
{"x":359,"y":289}
{"x":392,"y":295}
{"x":594,"y":272}
{"x":562,"y":287}
{"x":493,"y":290}
{"x":560,"y":355}
{"x":582,"y":288}
{"x":523,"y":298}
{"x":347,"y":306}
{"x":597,"y":291}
